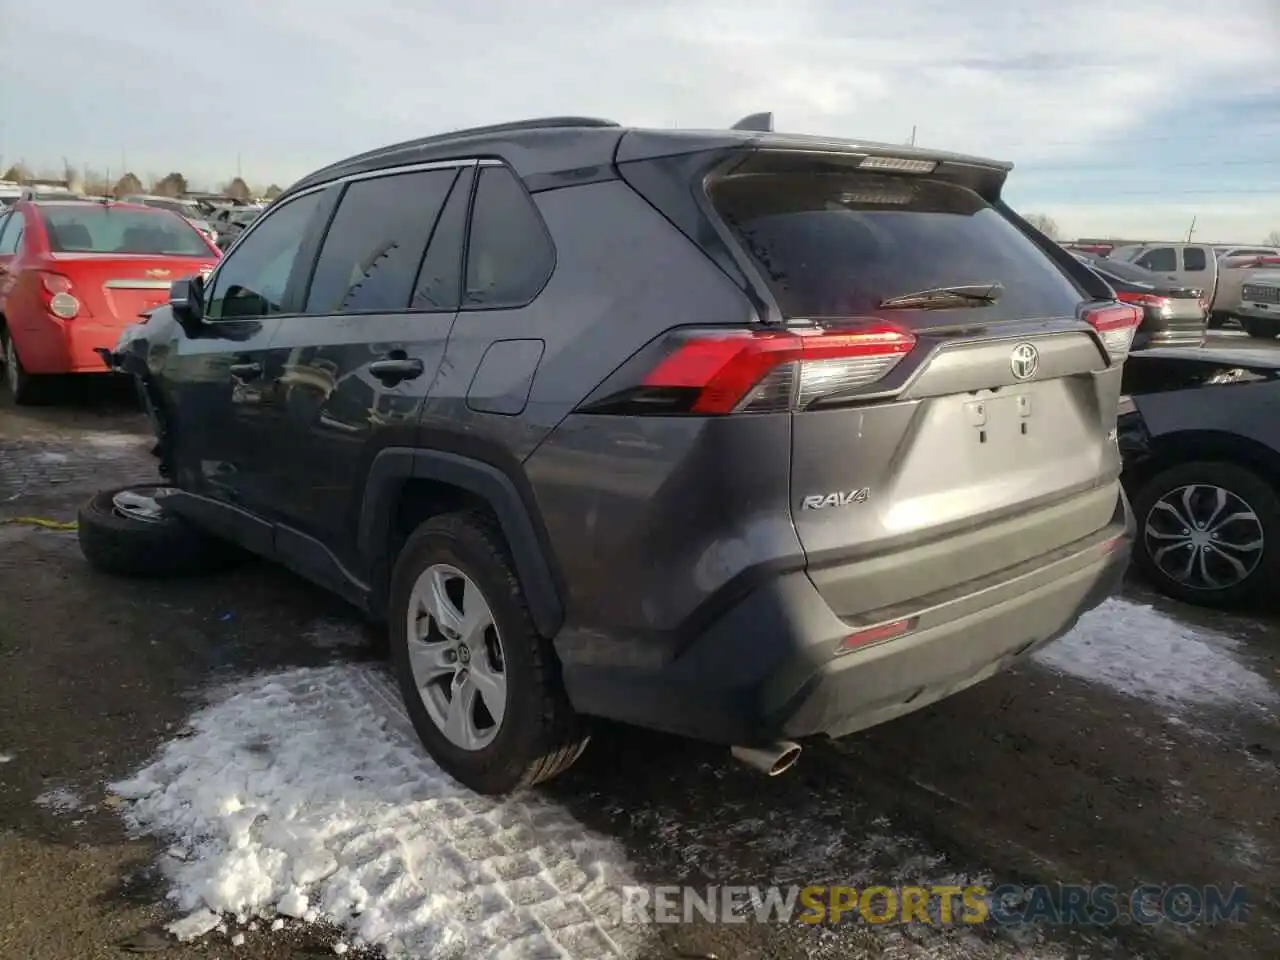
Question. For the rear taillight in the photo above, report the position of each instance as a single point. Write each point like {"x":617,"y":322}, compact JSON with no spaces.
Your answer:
{"x":58,"y":295}
{"x":1116,"y":324}
{"x":718,"y":372}
{"x":1143,"y":299}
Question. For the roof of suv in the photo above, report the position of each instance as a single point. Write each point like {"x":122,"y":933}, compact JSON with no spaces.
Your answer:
{"x":560,"y":144}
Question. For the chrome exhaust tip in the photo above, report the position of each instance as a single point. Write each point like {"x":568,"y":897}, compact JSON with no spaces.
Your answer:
{"x":772,"y":760}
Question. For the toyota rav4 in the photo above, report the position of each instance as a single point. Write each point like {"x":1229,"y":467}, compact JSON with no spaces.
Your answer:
{"x":739,"y":435}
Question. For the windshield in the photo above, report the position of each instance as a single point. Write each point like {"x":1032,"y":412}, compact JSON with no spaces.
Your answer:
{"x":836,"y":244}
{"x":105,"y":229}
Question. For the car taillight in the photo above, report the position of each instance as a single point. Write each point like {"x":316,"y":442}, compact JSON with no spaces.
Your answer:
{"x":1143,"y":299}
{"x":59,"y":297}
{"x":719,"y":372}
{"x":1116,"y":324}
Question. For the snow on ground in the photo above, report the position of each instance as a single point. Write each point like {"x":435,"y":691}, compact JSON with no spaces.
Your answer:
{"x":6,"y":758}
{"x":1139,"y":651}
{"x":60,"y":800}
{"x":306,"y":794}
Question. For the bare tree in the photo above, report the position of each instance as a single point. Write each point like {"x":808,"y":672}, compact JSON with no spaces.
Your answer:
{"x":171,"y":185}
{"x":1273,"y":239}
{"x":237,"y":189}
{"x":1045,"y":224}
{"x":17,"y":173}
{"x":126,"y":186}
{"x":273,"y":191}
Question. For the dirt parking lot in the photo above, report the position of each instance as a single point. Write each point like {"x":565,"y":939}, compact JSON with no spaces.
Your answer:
{"x":233,"y":741}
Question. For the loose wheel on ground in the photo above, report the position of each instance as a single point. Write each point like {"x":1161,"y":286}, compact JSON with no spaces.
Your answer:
{"x":1209,"y":533}
{"x":126,"y":532}
{"x":480,"y":684}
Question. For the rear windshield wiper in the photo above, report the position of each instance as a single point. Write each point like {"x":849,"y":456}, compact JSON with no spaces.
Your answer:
{"x":946,"y":298}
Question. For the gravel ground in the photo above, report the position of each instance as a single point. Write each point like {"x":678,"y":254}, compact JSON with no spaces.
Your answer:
{"x":148,"y":731}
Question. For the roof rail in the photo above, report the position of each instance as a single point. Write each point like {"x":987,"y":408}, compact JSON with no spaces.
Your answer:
{"x":537,"y":123}
{"x":759,"y":122}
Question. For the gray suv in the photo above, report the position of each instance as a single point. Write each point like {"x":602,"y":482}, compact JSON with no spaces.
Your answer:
{"x":739,"y":435}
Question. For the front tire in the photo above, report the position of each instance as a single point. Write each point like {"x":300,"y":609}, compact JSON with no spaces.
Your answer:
{"x":481,"y":685}
{"x":1208,"y":533}
{"x":1260,"y":329}
{"x":118,"y":537}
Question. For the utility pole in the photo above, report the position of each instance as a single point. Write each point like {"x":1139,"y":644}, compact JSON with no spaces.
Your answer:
{"x":237,"y":165}
{"x":913,"y":135}
{"x":1192,"y":230}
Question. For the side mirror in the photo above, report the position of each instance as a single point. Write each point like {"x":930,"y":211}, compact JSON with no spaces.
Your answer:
{"x":186,"y":300}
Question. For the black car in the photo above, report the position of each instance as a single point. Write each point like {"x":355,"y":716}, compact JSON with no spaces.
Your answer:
{"x":1172,"y":314}
{"x":739,"y":435}
{"x":1201,"y":444}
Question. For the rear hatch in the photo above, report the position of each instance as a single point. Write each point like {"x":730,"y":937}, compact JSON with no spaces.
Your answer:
{"x":969,"y":428}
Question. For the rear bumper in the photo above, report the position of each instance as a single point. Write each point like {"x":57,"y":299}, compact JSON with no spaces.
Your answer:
{"x":768,"y":670}
{"x":51,"y":346}
{"x":1259,"y":312}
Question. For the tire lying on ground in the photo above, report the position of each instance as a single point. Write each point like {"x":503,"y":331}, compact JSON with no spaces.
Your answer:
{"x":164,"y":545}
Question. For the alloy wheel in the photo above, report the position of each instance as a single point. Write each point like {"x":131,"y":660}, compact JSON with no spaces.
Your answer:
{"x":456,"y":656}
{"x":1204,"y":537}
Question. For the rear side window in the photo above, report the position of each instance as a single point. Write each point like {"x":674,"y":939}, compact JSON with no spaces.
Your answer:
{"x":376,"y":241}
{"x":509,"y":255}
{"x":1193,"y":259}
{"x":1161,"y":260}
{"x":837,"y":244}
{"x":101,"y":228}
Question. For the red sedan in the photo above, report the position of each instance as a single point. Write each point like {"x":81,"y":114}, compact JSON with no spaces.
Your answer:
{"x":74,"y":273}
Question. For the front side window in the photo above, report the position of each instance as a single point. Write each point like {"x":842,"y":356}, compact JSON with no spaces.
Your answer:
{"x":1161,"y":260}
{"x":376,"y":241}
{"x":251,"y":281}
{"x":510,"y":256}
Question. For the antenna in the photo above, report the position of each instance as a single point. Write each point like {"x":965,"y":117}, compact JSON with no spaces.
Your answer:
{"x":760,"y":122}
{"x":1192,"y":230}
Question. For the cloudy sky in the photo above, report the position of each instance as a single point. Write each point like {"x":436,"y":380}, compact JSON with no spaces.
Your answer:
{"x":1122,"y":117}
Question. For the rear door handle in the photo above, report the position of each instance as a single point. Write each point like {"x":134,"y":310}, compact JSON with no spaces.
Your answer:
{"x":246,"y":371}
{"x":397,"y":368}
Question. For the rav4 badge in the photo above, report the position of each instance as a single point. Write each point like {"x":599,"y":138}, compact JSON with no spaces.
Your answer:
{"x":820,"y":501}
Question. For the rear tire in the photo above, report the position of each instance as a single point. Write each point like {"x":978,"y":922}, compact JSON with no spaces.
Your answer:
{"x":1162,"y":517}
{"x":1260,"y":329}
{"x":539,"y":735}
{"x":23,"y":387}
{"x":167,"y":546}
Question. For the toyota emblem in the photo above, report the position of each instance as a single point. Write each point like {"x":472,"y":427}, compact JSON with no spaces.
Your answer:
{"x":1025,"y":361}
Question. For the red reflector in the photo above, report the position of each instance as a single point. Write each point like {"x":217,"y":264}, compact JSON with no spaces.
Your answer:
{"x":724,"y":367}
{"x":877,"y":634}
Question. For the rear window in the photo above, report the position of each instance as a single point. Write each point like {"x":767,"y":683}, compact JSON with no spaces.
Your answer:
{"x":105,"y":229}
{"x":837,"y":244}
{"x":1125,"y":271}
